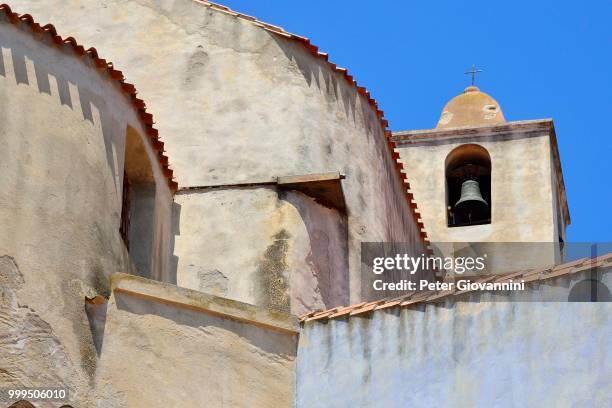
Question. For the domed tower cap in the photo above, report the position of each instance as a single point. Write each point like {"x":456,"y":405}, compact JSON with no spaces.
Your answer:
{"x":471,"y":108}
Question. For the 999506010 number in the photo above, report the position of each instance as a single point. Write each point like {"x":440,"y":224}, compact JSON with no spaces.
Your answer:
{"x":34,"y":394}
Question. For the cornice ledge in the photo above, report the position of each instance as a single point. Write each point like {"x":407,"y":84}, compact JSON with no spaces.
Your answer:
{"x":508,"y":127}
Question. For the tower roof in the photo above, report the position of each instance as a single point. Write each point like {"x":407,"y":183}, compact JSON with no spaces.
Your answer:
{"x":471,"y":108}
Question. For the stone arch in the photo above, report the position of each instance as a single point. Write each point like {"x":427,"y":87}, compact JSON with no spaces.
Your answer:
{"x":138,"y":202}
{"x":467,"y":169}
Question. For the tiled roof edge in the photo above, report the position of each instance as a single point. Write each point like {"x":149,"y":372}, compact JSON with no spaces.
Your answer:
{"x":103,"y":66}
{"x":531,"y":275}
{"x":314,"y":50}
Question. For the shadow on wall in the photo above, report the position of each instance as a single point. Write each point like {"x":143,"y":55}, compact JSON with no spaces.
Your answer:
{"x":316,"y":70}
{"x":176,"y":231}
{"x":328,"y":241}
{"x":95,"y":310}
{"x":268,"y":341}
{"x":124,"y":146}
{"x":44,"y":74}
{"x":138,"y":218}
{"x":340,"y":91}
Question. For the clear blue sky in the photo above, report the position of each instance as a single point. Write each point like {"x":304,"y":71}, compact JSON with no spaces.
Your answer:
{"x":542,"y":59}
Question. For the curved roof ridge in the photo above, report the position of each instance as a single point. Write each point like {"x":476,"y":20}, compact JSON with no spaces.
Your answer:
{"x":106,"y":67}
{"x":424,"y":297}
{"x":314,"y":50}
{"x":472,"y":107}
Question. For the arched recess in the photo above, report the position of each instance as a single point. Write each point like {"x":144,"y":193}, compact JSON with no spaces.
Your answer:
{"x":138,"y":203}
{"x":589,"y":290}
{"x":468,"y":186}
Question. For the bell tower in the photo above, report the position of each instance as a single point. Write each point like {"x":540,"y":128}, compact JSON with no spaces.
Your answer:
{"x":479,"y":178}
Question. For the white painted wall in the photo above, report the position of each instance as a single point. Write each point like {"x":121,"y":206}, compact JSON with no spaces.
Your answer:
{"x":475,"y":351}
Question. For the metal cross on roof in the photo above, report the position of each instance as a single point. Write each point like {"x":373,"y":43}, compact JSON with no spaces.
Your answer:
{"x":473,"y":71}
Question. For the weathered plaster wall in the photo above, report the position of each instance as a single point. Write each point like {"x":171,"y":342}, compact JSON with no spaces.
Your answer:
{"x":472,"y":353}
{"x":524,"y":206}
{"x":239,"y":104}
{"x":273,"y":247}
{"x":62,"y":128}
{"x":170,"y":347}
{"x":521,"y":188}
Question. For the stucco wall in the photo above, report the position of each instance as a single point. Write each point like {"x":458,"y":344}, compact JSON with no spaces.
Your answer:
{"x":62,"y":128}
{"x":262,"y":245}
{"x":239,"y":104}
{"x":469,"y":353}
{"x":169,"y":347}
{"x":521,"y":188}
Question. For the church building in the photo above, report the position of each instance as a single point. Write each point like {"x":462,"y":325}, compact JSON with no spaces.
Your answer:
{"x":183,"y":226}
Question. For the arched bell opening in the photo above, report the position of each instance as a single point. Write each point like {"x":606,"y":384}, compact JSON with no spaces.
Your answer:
{"x":138,"y":203}
{"x":468,"y":186}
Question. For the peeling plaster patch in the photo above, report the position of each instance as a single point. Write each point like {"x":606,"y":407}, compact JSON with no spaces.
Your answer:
{"x":275,"y":288}
{"x":445,"y":118}
{"x":80,"y":289}
{"x":490,"y":111}
{"x":10,"y":276}
{"x":31,"y":353}
{"x":212,"y":281}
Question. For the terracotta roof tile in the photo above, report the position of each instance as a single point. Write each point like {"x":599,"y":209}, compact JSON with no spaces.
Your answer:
{"x":538,"y":274}
{"x":439,"y":295}
{"x":535,"y":274}
{"x":508,"y":277}
{"x":322,"y":313}
{"x":417,"y":297}
{"x":25,"y":21}
{"x":365,"y":307}
{"x":386,"y":305}
{"x":347,"y":309}
{"x":607,"y":258}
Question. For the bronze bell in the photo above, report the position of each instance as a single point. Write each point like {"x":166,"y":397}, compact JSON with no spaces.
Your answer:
{"x":470,"y":191}
{"x":471,"y":206}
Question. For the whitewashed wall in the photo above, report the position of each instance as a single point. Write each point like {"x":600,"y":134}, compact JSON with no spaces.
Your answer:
{"x":473,"y":353}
